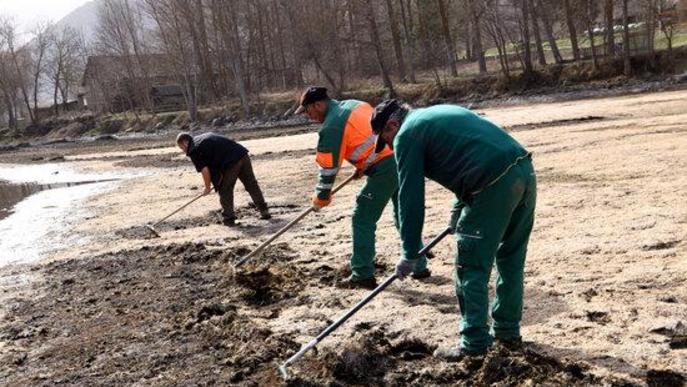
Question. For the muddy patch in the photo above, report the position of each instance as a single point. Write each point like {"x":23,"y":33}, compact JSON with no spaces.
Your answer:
{"x":664,"y":378}
{"x":660,"y":245}
{"x":143,"y":232}
{"x":210,"y":218}
{"x":376,"y":357}
{"x":325,"y":275}
{"x":292,"y":154}
{"x":553,"y":123}
{"x":153,"y":161}
{"x":156,"y":315}
{"x":549,"y":175}
{"x":266,"y":286}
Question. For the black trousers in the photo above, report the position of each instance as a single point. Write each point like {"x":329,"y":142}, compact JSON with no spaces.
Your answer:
{"x":241,"y":170}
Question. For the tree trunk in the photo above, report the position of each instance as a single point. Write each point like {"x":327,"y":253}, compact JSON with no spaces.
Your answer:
{"x":398,"y":50}
{"x":524,"y":10}
{"x":537,"y":35}
{"x":11,"y":118}
{"x":493,"y":28}
{"x":37,"y":76}
{"x":652,"y":18}
{"x":627,"y":67}
{"x":548,"y":29}
{"x":376,"y":43}
{"x":504,"y":50}
{"x":357,"y":51}
{"x":476,"y":25}
{"x":451,"y":51}
{"x":22,"y":87}
{"x":208,"y":70}
{"x":608,"y":33}
{"x":54,"y":95}
{"x":469,"y":37}
{"x":571,"y":29}
{"x":590,"y":33}
{"x":310,"y":47}
{"x":336,"y":49}
{"x":236,"y":61}
{"x":292,"y":34}
{"x":280,"y":44}
{"x":409,"y":38}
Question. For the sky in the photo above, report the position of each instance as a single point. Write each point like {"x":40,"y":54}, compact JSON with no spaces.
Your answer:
{"x":29,"y":12}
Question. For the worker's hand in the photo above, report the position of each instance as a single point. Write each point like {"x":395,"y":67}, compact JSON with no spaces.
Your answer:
{"x":404,"y":267}
{"x":358,"y":174}
{"x":318,"y":203}
{"x":207,"y":191}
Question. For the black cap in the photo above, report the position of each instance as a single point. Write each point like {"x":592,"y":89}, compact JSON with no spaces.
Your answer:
{"x":379,"y":118}
{"x":311,"y":95}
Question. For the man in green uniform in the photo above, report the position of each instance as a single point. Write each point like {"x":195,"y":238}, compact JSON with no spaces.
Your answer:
{"x":494,"y":182}
{"x":346,"y":135}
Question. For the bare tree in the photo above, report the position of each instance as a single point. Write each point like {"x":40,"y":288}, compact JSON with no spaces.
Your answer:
{"x":226,"y":21}
{"x":176,"y":44}
{"x":570,"y":21}
{"x":20,"y":62}
{"x":476,"y":12}
{"x":8,"y":82}
{"x":120,"y":33}
{"x":305,"y":20}
{"x":398,"y":50}
{"x":63,"y":63}
{"x":537,"y":35}
{"x":495,"y":28}
{"x":542,"y":12}
{"x":193,"y":14}
{"x":377,"y":45}
{"x":409,"y":35}
{"x":627,"y":67}
{"x":609,"y":36}
{"x":667,"y":26}
{"x":525,"y":29}
{"x":650,"y":10}
{"x":40,"y":42}
{"x":448,"y":40}
{"x":590,"y":15}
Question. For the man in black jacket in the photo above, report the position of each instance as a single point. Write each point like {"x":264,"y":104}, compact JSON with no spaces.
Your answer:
{"x":221,"y":161}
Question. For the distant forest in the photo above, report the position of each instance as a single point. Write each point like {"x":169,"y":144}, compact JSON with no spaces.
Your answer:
{"x":216,"y":50}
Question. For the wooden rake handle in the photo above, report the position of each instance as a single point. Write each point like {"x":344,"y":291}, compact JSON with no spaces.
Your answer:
{"x":179,"y":209}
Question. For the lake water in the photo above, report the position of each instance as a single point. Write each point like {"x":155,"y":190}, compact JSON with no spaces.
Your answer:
{"x":40,"y":204}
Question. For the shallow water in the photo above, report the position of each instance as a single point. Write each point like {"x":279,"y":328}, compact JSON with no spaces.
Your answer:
{"x":40,"y":204}
{"x":11,"y":194}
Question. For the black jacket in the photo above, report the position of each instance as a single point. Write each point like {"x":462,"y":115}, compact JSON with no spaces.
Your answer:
{"x":215,"y":152}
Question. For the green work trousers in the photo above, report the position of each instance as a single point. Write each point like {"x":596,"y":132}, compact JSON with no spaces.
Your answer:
{"x":381,"y":185}
{"x":494,"y":227}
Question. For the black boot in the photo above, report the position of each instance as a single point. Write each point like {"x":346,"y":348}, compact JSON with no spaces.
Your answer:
{"x":352,"y":282}
{"x":421,"y":275}
{"x":455,"y":353}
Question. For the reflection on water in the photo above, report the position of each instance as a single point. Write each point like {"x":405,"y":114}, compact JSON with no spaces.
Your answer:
{"x":40,"y":224}
{"x":13,"y":193}
{"x":41,"y":204}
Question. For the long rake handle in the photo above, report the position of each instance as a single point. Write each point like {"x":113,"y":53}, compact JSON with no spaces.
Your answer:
{"x":331,"y":328}
{"x":178,"y":209}
{"x":288,"y":226}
